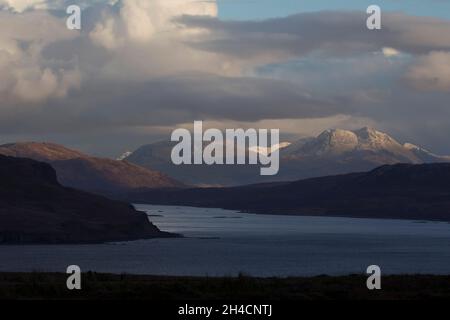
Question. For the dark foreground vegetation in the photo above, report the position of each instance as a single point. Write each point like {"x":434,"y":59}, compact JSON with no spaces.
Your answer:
{"x":130,"y":287}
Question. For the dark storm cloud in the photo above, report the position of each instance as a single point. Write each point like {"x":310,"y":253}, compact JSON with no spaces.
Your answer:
{"x":169,"y":101}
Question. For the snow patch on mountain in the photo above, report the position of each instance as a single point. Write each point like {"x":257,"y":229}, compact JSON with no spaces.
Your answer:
{"x":125,"y":155}
{"x":424,"y":154}
{"x":335,"y":141}
{"x":413,"y":147}
{"x":369,"y":138}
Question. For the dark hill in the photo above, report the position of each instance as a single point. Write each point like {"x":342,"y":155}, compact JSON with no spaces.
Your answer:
{"x":400,"y":191}
{"x":35,"y":208}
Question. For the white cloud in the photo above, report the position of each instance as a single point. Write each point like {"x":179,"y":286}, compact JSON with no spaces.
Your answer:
{"x":104,"y":34}
{"x":142,"y":20}
{"x":22,"y":5}
{"x":19,"y":6}
{"x":25,"y":76}
{"x":145,"y":40}
{"x":36,"y":84}
{"x":390,"y":52}
{"x":141,"y":35}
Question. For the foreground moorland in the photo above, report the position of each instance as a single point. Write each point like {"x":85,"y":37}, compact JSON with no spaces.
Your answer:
{"x":133,"y":287}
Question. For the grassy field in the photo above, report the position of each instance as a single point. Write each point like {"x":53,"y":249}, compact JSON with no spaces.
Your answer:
{"x":130,"y":287}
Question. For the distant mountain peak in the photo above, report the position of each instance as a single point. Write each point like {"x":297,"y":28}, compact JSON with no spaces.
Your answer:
{"x":368,"y":131}
{"x":337,"y":135}
{"x":366,"y":144}
{"x":339,"y":141}
{"x":333,"y":141}
{"x":370,"y":138}
{"x":333,"y":151}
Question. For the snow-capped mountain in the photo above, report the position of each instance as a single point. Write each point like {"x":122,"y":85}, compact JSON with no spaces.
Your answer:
{"x":332,"y":152}
{"x":338,"y":142}
{"x":424,"y":155}
{"x":365,"y":142}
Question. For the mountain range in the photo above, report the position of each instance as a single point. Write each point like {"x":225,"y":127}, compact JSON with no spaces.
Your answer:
{"x":332,"y":152}
{"x":35,"y":208}
{"x":39,"y":202}
{"x":401,"y":191}
{"x":99,"y":175}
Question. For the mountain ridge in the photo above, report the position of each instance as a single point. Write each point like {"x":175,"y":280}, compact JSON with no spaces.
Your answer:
{"x":99,"y":175}
{"x":400,"y":191}
{"x":334,"y":151}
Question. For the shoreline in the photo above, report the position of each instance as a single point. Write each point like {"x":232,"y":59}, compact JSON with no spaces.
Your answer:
{"x":285,"y":214}
{"x":162,"y":235}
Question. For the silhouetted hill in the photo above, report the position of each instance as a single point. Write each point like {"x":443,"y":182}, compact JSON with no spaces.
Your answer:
{"x":398,"y":191}
{"x":35,"y":208}
{"x":80,"y":171}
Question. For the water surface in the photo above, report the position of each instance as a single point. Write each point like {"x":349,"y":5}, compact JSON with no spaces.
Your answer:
{"x":220,"y":242}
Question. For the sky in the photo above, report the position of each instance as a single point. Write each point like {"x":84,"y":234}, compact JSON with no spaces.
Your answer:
{"x":264,"y":9}
{"x":138,"y":69}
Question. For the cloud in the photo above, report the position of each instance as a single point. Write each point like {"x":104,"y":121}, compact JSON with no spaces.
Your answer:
{"x":143,"y":20}
{"x":390,"y":52}
{"x":170,"y":101}
{"x":431,"y":72}
{"x":144,"y":40}
{"x":160,"y":63}
{"x":25,"y":76}
{"x":23,"y":5}
{"x":332,"y":33}
{"x":41,"y":59}
{"x":19,"y":6}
